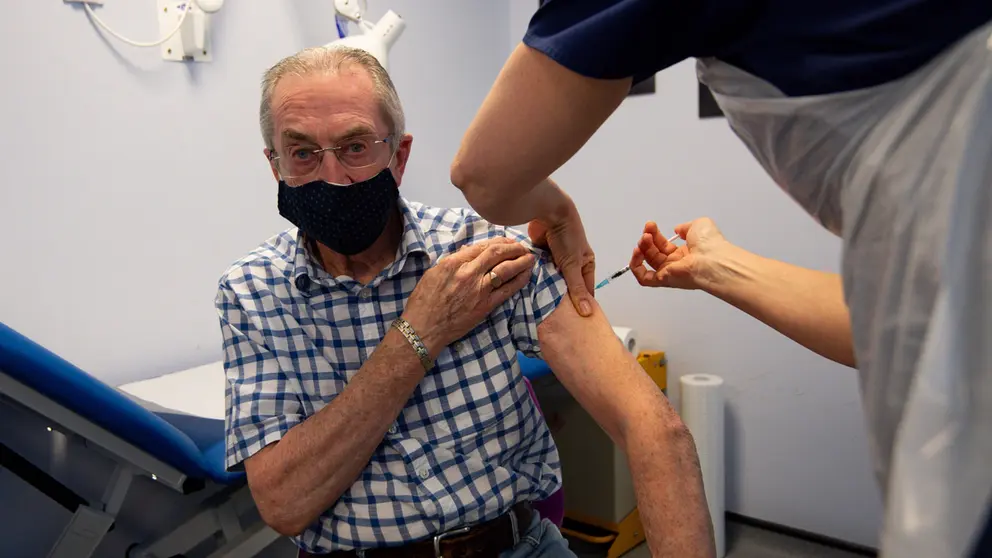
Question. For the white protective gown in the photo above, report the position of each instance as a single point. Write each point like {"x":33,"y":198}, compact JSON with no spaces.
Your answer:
{"x":902,"y":172}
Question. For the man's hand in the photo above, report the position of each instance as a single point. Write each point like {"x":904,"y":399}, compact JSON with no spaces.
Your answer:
{"x":564,"y":235}
{"x":459,"y":292}
{"x":691,"y":266}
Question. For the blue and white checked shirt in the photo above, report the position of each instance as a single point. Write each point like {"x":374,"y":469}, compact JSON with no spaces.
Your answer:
{"x":468,"y":445}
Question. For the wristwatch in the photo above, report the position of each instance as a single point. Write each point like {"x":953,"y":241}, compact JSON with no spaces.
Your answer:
{"x":407,"y":330}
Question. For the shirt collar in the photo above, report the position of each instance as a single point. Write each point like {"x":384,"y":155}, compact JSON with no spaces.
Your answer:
{"x":413,"y":240}
{"x":306,"y":270}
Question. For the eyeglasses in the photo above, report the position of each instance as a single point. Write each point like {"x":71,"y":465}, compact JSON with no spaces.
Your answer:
{"x":301,"y":163}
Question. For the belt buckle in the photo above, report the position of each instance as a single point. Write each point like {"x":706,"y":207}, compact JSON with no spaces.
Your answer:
{"x":440,"y":536}
{"x":462,"y":530}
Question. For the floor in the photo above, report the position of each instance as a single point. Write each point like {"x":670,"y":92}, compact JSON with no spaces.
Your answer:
{"x":745,"y":541}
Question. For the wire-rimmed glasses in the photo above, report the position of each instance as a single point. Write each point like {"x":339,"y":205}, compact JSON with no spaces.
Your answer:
{"x":301,"y":163}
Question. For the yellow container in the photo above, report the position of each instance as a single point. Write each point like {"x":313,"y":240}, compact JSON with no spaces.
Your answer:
{"x":656,"y":365}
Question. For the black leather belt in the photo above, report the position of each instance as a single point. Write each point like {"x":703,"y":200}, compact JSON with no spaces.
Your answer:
{"x":486,"y":540}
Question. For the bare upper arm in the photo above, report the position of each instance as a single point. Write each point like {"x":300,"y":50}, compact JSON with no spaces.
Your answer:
{"x":569,"y":341}
{"x":573,"y":347}
{"x":594,"y":366}
{"x":537,"y":115}
{"x":555,"y":330}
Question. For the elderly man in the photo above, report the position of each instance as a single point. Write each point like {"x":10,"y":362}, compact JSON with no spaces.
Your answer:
{"x":374,"y":398}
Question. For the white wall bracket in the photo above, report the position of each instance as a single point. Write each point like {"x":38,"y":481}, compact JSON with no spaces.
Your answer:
{"x":192,"y":42}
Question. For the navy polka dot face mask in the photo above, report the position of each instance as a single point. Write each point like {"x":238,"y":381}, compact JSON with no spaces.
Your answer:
{"x":346,"y":219}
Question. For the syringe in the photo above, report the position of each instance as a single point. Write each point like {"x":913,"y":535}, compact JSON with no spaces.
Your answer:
{"x":625,"y":269}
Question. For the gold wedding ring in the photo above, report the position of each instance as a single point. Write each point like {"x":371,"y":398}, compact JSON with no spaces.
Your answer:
{"x":495,"y":280}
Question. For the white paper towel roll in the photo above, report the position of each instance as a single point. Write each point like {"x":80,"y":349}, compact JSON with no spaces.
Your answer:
{"x":628,"y":337}
{"x":702,"y":412}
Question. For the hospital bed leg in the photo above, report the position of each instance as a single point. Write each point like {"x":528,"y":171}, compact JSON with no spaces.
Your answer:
{"x":255,"y":539}
{"x":220,"y":515}
{"x":187,"y":536}
{"x":116,"y":491}
{"x":230,"y":525}
{"x":89,"y":525}
{"x":83,"y":533}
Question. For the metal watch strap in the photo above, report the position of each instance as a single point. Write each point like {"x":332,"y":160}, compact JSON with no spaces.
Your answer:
{"x":407,"y":330}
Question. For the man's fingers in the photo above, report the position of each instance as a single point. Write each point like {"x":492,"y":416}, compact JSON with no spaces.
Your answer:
{"x":502,"y":294}
{"x":469,"y":252}
{"x":683,"y":230}
{"x":509,"y":269}
{"x":494,"y":254}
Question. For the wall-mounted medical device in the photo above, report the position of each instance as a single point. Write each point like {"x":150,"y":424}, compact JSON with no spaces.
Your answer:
{"x":376,"y":39}
{"x":184,"y":27}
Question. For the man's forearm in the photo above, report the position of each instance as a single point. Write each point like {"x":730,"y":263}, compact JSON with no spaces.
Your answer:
{"x":611,"y":386}
{"x":664,"y":466}
{"x":662,"y":459}
{"x":803,"y":304}
{"x":305,"y":473}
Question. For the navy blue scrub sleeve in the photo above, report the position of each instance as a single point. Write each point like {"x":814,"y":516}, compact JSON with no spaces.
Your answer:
{"x":615,"y":39}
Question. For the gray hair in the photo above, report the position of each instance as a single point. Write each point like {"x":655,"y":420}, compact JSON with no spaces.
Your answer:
{"x":331,"y":59}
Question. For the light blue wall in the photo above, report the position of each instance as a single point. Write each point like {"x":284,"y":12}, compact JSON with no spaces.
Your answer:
{"x":797,"y":453}
{"x":130,"y":183}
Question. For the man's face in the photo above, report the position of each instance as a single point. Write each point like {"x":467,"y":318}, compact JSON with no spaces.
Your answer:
{"x":323,"y":110}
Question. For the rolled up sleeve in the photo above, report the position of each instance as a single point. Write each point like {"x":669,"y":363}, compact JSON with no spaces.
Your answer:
{"x":536,"y":301}
{"x":262,"y":401}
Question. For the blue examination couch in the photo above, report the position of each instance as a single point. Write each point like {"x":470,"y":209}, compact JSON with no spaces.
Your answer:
{"x":142,"y":443}
{"x":532,"y":368}
{"x":146,"y":446}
